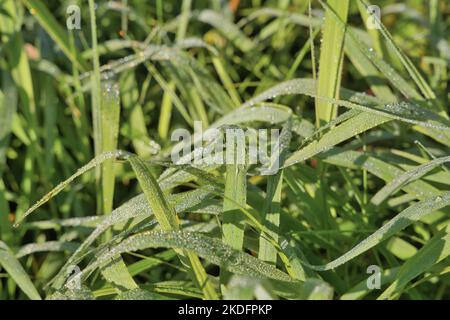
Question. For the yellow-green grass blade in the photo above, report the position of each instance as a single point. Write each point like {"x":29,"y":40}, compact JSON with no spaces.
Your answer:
{"x":235,"y":198}
{"x":167,"y":218}
{"x":267,"y":252}
{"x":373,"y":32}
{"x":331,"y":60}
{"x":350,"y":128}
{"x":110,"y":114}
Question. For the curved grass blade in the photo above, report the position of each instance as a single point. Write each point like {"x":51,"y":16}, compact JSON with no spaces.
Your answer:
{"x":434,"y":251}
{"x":208,"y":248}
{"x":350,"y":128}
{"x":411,"y":175}
{"x":395,"y":225}
{"x":49,"y":246}
{"x":360,"y":290}
{"x":90,"y":165}
{"x":403,"y":111}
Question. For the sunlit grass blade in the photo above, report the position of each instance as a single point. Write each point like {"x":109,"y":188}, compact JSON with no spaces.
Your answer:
{"x":350,"y":128}
{"x":109,"y":114}
{"x":49,"y":246}
{"x":331,"y":60}
{"x":206,"y":247}
{"x":167,"y":218}
{"x":411,"y":175}
{"x":395,"y":225}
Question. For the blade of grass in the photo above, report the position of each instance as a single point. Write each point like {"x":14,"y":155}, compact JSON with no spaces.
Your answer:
{"x":209,"y":248}
{"x":331,"y":60}
{"x":166,"y":105}
{"x":96,"y":101}
{"x":272,"y":207}
{"x":110,"y":114}
{"x":49,"y":23}
{"x":16,"y":271}
{"x":166,"y":216}
{"x":434,"y":251}
{"x":395,"y":225}
{"x":8,"y":107}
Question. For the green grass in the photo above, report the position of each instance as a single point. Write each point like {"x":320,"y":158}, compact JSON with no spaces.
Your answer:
{"x":86,"y":178}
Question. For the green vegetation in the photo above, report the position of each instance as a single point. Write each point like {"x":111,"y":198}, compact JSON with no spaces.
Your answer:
{"x":92,"y":207}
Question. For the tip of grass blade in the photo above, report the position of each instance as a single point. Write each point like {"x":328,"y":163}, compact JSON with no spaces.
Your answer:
{"x":116,"y":154}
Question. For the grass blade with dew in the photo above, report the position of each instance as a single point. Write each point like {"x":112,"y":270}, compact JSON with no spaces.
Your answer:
{"x":96,"y":100}
{"x":413,"y":72}
{"x":272,"y":206}
{"x":209,"y":248}
{"x":403,"y":111}
{"x":49,"y":246}
{"x":235,"y":197}
{"x":434,"y":251}
{"x":167,"y":218}
{"x":135,"y":208}
{"x":331,"y":61}
{"x":395,"y":78}
{"x":395,"y":225}
{"x":348,"y":129}
{"x":235,"y":193}
{"x":411,"y":175}
{"x":109,"y":127}
{"x":418,"y":189}
{"x":166,"y":214}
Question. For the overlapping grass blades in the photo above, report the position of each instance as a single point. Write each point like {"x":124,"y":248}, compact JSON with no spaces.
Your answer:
{"x":18,"y":274}
{"x":369,"y":185}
